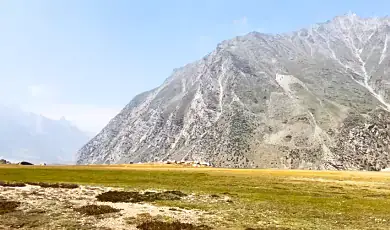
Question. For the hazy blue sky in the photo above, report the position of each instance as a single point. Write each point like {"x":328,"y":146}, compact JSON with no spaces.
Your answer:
{"x":86,"y":59}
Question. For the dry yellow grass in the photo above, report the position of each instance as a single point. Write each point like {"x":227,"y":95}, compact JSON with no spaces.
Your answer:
{"x":337,"y":175}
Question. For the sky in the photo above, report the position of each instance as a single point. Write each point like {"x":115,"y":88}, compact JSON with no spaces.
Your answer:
{"x":86,"y":59}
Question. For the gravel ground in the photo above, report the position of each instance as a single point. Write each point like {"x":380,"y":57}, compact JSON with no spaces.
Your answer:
{"x":53,"y":208}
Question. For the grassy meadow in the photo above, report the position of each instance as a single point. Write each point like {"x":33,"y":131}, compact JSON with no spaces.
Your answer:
{"x":255,"y":199}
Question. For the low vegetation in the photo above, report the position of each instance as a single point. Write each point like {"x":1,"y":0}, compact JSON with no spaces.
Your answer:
{"x":96,"y":209}
{"x":136,"y":197}
{"x":53,"y":185}
{"x":146,"y":217}
{"x":237,"y":199}
{"x":42,"y":184}
{"x":268,"y":228}
{"x":8,"y":206}
{"x":145,"y":221}
{"x":176,"y":225}
{"x":12,"y":184}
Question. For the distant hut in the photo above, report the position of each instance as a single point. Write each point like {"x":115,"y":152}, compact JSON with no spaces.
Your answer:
{"x":25,"y":163}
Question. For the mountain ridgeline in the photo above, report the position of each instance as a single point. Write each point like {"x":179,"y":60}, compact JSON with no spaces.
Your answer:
{"x":317,"y":98}
{"x":31,"y":137}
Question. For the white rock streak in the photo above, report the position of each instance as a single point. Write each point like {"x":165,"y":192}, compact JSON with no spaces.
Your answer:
{"x":348,"y":41}
{"x":384,"y":51}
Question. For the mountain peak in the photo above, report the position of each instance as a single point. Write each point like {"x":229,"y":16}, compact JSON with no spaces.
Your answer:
{"x":313,"y":99}
{"x":25,"y":136}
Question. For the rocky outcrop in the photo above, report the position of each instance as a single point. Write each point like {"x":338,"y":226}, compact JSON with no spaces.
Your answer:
{"x":261,"y":100}
{"x":364,"y":142}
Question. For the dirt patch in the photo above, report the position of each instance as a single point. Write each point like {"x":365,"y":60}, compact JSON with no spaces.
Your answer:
{"x":36,"y":219}
{"x":60,"y":208}
{"x":176,"y":225}
{"x":8,"y":206}
{"x":96,"y":209}
{"x":20,"y":219}
{"x":136,"y":197}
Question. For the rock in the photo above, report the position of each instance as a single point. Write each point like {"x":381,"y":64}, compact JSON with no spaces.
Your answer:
{"x":371,"y":153}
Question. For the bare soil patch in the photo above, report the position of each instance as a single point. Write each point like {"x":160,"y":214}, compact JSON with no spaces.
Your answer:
{"x":58,"y":207}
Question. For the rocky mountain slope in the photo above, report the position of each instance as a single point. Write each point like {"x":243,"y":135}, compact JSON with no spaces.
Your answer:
{"x":316,"y":98}
{"x":31,"y":137}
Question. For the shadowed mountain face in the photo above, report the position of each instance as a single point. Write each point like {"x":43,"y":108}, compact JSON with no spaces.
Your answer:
{"x":34,"y":138}
{"x":316,"y":98}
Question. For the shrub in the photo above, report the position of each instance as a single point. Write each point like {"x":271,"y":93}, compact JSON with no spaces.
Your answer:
{"x":160,"y":225}
{"x":96,"y":209}
{"x":135,"y":197}
{"x":12,"y":184}
{"x":54,"y":185}
{"x":8,"y":206}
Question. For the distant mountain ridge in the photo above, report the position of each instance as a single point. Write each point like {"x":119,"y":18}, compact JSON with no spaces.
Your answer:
{"x":317,"y":98}
{"x":31,"y":137}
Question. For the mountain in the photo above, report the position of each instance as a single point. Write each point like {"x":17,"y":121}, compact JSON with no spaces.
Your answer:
{"x":317,"y":98}
{"x":35,"y":138}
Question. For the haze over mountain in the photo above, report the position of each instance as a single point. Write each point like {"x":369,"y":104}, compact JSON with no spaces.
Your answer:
{"x":30,"y":137}
{"x":314,"y":98}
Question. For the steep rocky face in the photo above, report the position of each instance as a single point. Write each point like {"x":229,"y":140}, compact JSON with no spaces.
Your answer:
{"x":307,"y":99}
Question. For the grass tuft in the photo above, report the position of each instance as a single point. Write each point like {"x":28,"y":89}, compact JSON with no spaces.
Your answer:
{"x":269,"y":228}
{"x":92,"y":209}
{"x":12,"y":184}
{"x":136,"y":197}
{"x":54,"y":185}
{"x":160,"y":225}
{"x":175,"y":193}
{"x":8,"y":206}
{"x":146,"y":217}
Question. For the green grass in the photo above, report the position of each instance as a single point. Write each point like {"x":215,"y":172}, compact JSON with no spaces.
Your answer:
{"x":259,"y":198}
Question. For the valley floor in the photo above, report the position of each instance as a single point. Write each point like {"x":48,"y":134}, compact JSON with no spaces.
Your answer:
{"x":176,"y":197}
